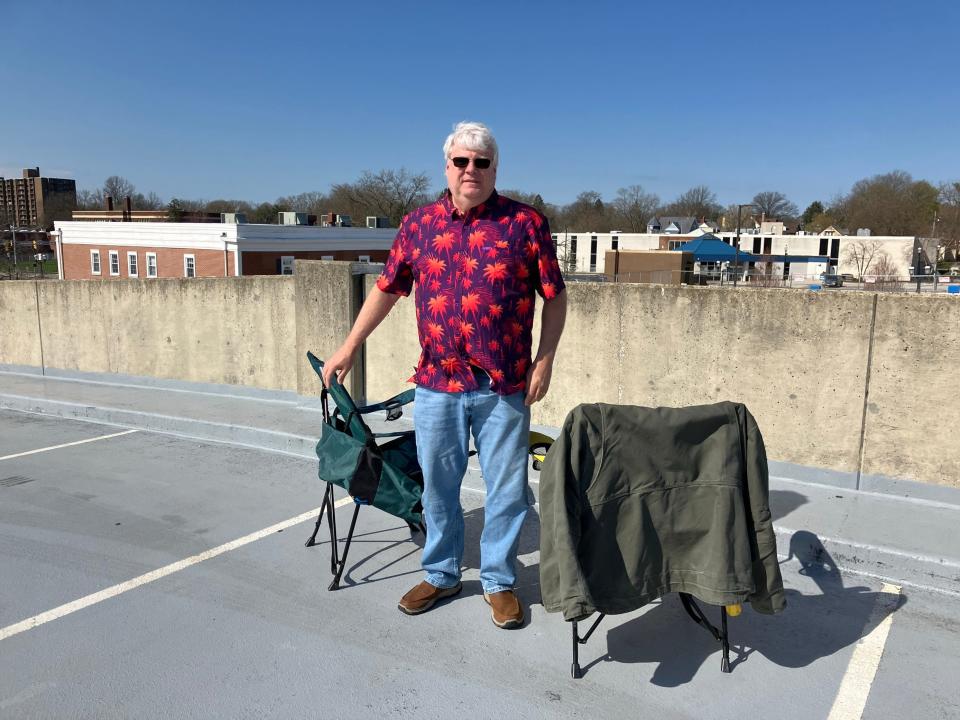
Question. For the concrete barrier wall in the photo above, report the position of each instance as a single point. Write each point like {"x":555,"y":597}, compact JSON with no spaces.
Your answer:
{"x":19,"y":332}
{"x":912,"y":414}
{"x":842,"y":381}
{"x":238,"y":331}
{"x":853,"y":383}
{"x":328,"y":297}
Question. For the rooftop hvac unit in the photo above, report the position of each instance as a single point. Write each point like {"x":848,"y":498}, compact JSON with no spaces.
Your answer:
{"x":292,"y":218}
{"x":377,"y":221}
{"x":233,"y":218}
{"x":344,"y":221}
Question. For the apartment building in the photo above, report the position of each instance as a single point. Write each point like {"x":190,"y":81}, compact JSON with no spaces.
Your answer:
{"x":36,"y":201}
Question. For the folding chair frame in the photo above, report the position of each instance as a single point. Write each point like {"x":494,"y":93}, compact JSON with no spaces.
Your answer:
{"x":392,"y":406}
{"x":693,"y":610}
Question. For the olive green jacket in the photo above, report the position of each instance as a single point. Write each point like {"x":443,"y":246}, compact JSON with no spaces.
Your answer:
{"x":638,"y":502}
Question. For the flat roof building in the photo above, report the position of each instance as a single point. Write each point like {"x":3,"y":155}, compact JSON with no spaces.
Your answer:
{"x":108,"y":250}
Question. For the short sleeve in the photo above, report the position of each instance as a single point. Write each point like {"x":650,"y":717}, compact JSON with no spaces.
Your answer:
{"x":397,"y":275}
{"x":549,"y":279}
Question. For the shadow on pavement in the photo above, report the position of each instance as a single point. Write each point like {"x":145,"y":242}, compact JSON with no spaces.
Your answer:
{"x":811,"y":627}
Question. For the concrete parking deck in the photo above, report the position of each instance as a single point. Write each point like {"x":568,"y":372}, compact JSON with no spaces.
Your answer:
{"x":151,"y":546}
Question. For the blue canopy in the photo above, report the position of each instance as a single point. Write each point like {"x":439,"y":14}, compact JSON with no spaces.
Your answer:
{"x":710,"y":248}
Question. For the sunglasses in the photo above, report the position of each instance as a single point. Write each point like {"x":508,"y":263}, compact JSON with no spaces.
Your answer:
{"x":478,"y":163}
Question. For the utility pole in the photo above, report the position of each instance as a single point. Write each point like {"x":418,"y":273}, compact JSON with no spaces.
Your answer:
{"x":736,"y":268}
{"x":13,"y":236}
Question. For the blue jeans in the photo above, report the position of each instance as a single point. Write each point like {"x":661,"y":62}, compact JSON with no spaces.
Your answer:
{"x":501,"y":428}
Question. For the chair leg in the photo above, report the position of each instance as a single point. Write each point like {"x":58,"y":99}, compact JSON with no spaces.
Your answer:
{"x":724,"y":641}
{"x":575,"y":667}
{"x":346,"y":549}
{"x":575,"y":671}
{"x":332,"y":524}
{"x":694,"y":611}
{"x":316,"y":528}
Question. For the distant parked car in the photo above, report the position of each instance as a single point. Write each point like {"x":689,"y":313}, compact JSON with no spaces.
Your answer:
{"x":847,"y":277}
{"x":831,"y":280}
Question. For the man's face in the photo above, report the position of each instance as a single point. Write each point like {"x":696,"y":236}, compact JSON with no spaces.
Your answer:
{"x":469,"y":186}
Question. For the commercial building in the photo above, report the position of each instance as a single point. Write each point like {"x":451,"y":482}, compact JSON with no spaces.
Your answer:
{"x":35,"y":201}
{"x":108,"y":250}
{"x":583,"y":252}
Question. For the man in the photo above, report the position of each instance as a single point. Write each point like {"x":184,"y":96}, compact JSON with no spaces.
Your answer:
{"x":477,"y":259}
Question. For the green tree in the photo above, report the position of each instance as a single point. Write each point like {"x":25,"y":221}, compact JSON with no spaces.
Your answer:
{"x":890,"y":204}
{"x":813,"y":209}
{"x":175,"y":210}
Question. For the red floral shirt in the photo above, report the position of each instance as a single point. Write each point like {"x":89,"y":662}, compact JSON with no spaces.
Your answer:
{"x":476,"y":275}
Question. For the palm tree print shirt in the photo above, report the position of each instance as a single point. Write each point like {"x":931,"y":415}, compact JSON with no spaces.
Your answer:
{"x":476,"y":275}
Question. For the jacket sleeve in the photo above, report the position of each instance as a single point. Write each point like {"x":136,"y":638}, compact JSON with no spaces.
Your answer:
{"x":768,"y":596}
{"x":567,"y":470}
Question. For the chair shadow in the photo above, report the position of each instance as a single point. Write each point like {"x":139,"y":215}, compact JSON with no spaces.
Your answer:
{"x":812,"y":626}
{"x":784,"y":502}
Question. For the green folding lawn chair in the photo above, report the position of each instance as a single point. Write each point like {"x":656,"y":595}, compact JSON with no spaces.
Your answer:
{"x":378,"y":469}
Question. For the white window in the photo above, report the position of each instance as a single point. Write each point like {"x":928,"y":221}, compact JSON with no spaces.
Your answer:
{"x":132,"y":264}
{"x":189,"y":266}
{"x":326,"y":257}
{"x":364,"y":258}
{"x":95,"y":262}
{"x":151,"y":265}
{"x":286,"y":264}
{"x":114,"y":262}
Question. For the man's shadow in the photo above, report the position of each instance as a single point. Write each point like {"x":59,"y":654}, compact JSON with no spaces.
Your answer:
{"x":812,"y":626}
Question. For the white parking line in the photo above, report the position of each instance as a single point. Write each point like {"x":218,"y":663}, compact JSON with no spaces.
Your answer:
{"x":149,"y":577}
{"x":69,"y":444}
{"x":862,"y":669}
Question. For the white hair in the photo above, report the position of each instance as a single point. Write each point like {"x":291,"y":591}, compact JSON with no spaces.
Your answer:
{"x":472,"y":136}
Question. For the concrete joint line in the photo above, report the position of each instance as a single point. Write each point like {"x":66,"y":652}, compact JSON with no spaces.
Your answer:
{"x":43,"y":365}
{"x":866,"y":391}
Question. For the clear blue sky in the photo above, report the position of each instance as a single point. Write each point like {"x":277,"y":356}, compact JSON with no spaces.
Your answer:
{"x":253,"y":100}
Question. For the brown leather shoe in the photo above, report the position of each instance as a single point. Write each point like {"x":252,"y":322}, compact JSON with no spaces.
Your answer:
{"x":424,"y":596}
{"x":505,"y":609}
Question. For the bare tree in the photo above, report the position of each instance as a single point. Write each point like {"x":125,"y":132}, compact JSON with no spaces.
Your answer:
{"x":699,"y":202}
{"x":764,"y":276}
{"x":774,"y":205}
{"x":861,"y":254}
{"x":391,"y":193}
{"x":948,"y":227}
{"x":633,"y":207}
{"x":89,"y":199}
{"x":118,"y":188}
{"x":314,"y":203}
{"x":885,"y":273}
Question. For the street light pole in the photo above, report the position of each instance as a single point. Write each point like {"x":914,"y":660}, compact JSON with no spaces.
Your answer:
{"x":736,"y":268}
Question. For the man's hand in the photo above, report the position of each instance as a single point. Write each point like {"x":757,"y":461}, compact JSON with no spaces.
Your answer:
{"x":339,"y":364}
{"x":538,"y":379}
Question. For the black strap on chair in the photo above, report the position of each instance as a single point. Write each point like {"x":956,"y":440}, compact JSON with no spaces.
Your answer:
{"x":693,"y":610}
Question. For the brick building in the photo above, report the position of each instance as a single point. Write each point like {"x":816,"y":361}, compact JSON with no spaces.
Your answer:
{"x":35,"y":201}
{"x":106,"y":250}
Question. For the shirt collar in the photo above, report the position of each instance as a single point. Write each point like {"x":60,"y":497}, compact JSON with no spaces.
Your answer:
{"x":446,"y":201}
